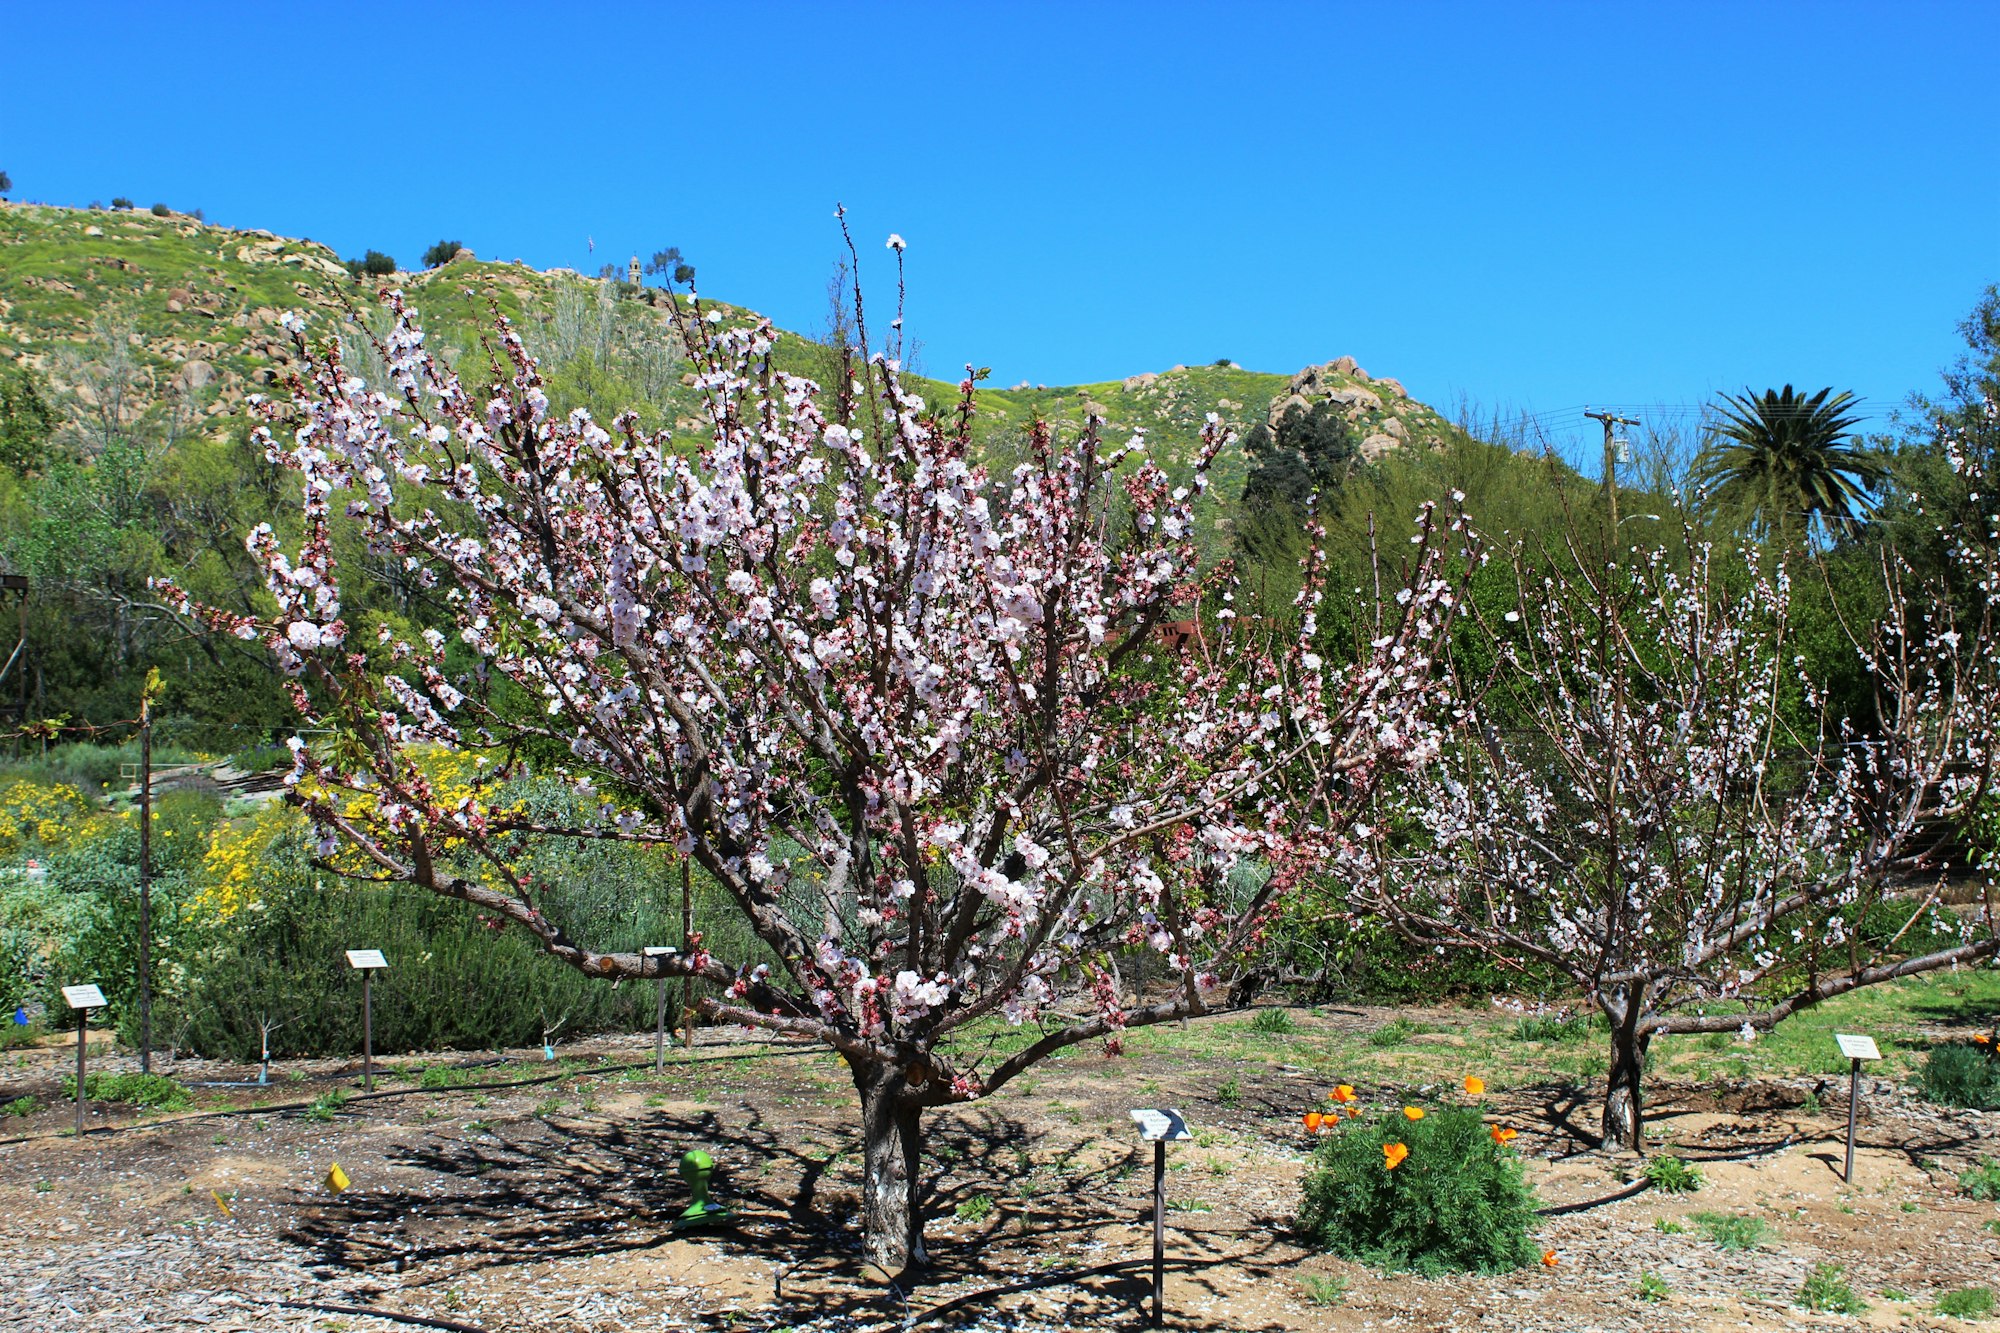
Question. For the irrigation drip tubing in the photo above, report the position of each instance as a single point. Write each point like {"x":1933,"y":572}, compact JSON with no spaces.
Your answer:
{"x":338,"y":1075}
{"x":767,"y":1053}
{"x":1558,"y":1209}
{"x":423,"y":1321}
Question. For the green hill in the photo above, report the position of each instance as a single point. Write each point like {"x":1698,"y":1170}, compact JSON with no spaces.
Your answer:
{"x":129,"y":342}
{"x":199,"y":307}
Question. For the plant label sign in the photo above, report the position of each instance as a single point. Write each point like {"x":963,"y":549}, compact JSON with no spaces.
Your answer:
{"x":1857,"y":1047}
{"x":659,"y":950}
{"x":83,"y":997}
{"x":363,"y":959}
{"x":1158,"y":1126}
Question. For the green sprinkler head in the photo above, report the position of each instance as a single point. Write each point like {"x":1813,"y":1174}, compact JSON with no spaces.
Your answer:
{"x":696,"y":1167}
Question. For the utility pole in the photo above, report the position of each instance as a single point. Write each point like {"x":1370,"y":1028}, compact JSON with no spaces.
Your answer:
{"x":1611,"y":422}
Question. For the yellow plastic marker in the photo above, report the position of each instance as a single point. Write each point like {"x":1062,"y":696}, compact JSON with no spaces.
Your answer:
{"x":220,"y":1204}
{"x":336,"y":1179}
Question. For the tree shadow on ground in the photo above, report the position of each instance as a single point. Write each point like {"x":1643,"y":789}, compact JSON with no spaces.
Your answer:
{"x":534,"y":1190}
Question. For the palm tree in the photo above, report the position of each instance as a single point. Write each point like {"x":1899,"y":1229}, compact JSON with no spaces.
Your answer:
{"x":1785,"y":462}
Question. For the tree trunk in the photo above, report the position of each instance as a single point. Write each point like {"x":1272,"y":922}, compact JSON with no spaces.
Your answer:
{"x":891,"y":1148}
{"x":1623,"y":1108}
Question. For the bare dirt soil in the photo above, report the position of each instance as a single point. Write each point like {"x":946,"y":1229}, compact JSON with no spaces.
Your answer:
{"x":542,"y":1198}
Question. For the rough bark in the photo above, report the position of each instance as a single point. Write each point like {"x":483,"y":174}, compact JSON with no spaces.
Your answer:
{"x":1624,"y":1107}
{"x":891,"y":1149}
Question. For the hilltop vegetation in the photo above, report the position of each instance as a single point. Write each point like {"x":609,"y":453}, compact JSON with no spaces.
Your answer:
{"x":130,"y":341}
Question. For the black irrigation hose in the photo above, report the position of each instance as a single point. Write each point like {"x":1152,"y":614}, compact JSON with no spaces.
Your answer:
{"x":1558,"y":1209}
{"x":767,"y":1053}
{"x":369,"y":1312}
{"x":333,"y":1077}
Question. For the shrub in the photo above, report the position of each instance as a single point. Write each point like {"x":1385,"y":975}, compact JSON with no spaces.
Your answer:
{"x":441,"y":254}
{"x":373,"y":264}
{"x":1732,"y":1231}
{"x":162,"y":211}
{"x":1982,"y":1181}
{"x":1967,"y":1303}
{"x":1826,"y":1291}
{"x":21,"y":1106}
{"x":120,"y":202}
{"x":154,"y":1091}
{"x":1275,"y":1022}
{"x":1960,"y":1075}
{"x":1672,"y":1175}
{"x":1456,"y":1201}
{"x":1397,"y":1031}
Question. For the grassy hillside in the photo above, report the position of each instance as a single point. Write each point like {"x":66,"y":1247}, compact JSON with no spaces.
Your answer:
{"x":198,"y":307}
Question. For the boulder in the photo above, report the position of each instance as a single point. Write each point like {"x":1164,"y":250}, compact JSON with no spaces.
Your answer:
{"x":1394,"y":388}
{"x":196,"y":375}
{"x":174,"y":307}
{"x":464,"y":253}
{"x":1375,"y":446}
{"x":1343,"y":365}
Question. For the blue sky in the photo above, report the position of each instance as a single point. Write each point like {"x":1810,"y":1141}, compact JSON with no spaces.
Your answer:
{"x":1528,"y":206}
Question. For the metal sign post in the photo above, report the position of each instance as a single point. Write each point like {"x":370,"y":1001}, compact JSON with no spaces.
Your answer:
{"x":365,"y":961}
{"x":1160,"y":1128}
{"x":660,"y":1020}
{"x":83,"y":999}
{"x":1856,"y":1049}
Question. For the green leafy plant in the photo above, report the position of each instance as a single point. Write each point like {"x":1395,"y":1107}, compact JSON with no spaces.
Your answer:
{"x":975,"y":1209}
{"x":1966,"y":1303}
{"x":155,"y":1092}
{"x":1454,"y":1200}
{"x":1733,"y":1231}
{"x":1547,"y":1027}
{"x":1273,"y":1022}
{"x":1672,"y":1175}
{"x":1651,"y":1287}
{"x":1666,"y":1226}
{"x":1982,"y":1181}
{"x":1826,"y":1290}
{"x":1323,"y":1289}
{"x":1231,"y":1092}
{"x":20,"y":1106}
{"x":1397,"y":1031}
{"x":1960,"y":1074}
{"x":162,"y":211}
{"x":444,"y":1076}
{"x":323,"y":1107}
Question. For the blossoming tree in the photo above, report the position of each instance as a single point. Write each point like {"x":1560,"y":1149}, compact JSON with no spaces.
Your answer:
{"x":1643,"y":793}
{"x":916,"y":721}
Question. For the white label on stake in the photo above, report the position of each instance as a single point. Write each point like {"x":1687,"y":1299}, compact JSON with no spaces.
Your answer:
{"x":659,"y":950}
{"x":1856,"y":1047}
{"x":1166,"y":1125}
{"x":360,"y":959}
{"x":83,"y":997}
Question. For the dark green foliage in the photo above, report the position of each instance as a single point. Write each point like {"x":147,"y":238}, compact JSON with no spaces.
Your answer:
{"x":1293,"y":469}
{"x":1273,"y":1022}
{"x":1672,"y":1175}
{"x":156,"y":1092}
{"x":669,"y":263}
{"x":1785,"y":462}
{"x":1826,"y":1291}
{"x":162,"y":211}
{"x":1548,"y":1027}
{"x":27,"y":420}
{"x":6,"y":184}
{"x":441,"y":253}
{"x":1457,"y":1203}
{"x":1982,"y":1181}
{"x":1960,"y":1075}
{"x":22,"y":1106}
{"x":373,"y":264}
{"x":120,"y":203}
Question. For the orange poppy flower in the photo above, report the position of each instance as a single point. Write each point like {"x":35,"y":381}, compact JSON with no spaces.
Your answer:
{"x":1313,"y":1120}
{"x":1353,"y":1113}
{"x":1502,"y":1135}
{"x":1474,"y":1085}
{"x":1344,"y":1093}
{"x":1393,"y":1155}
{"x":1414,"y":1112}
{"x":1549,"y":1259}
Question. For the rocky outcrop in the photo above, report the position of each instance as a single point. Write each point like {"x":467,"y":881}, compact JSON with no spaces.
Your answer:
{"x":1381,"y":412}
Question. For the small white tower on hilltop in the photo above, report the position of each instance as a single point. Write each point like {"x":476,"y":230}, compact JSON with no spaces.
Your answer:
{"x":632,"y":271}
